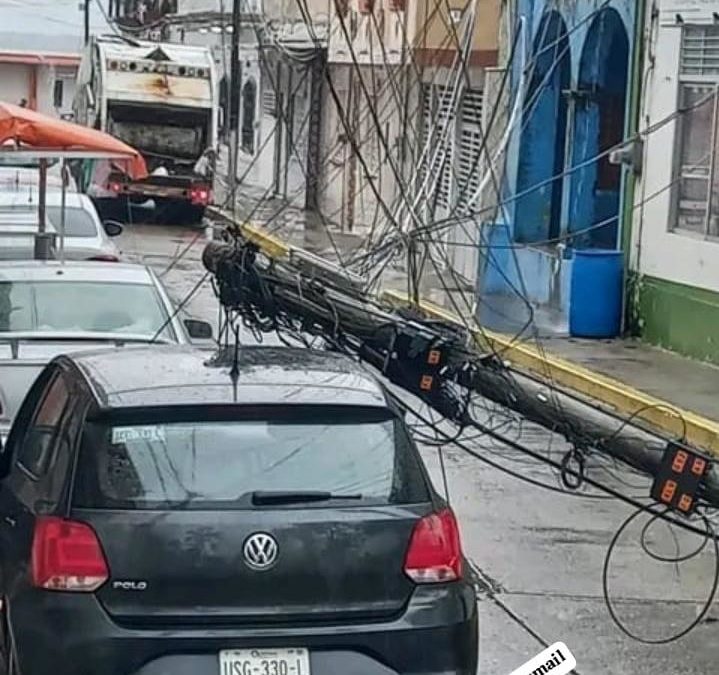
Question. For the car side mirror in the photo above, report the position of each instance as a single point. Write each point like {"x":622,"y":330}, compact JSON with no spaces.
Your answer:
{"x":112,"y":228}
{"x":198,"y":330}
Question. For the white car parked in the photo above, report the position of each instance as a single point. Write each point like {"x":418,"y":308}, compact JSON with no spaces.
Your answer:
{"x":86,"y":238}
{"x":48,"y":308}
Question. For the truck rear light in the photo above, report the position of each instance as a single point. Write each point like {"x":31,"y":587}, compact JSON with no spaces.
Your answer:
{"x":67,"y":556}
{"x":435,"y":553}
{"x":200,"y":196}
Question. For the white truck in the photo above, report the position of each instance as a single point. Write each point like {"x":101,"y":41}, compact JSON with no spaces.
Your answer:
{"x":162,"y":99}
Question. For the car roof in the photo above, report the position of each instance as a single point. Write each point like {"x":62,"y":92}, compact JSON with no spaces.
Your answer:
{"x":54,"y":270}
{"x":53,"y":197}
{"x":168,"y":375}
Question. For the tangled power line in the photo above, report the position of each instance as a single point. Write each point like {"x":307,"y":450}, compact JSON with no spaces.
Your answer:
{"x":475,"y":402}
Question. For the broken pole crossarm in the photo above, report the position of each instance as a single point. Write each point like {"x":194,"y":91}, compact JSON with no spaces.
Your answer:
{"x":427,"y":359}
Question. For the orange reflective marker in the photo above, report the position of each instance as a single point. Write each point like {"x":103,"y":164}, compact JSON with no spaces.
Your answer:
{"x":680,"y":461}
{"x":670,"y":487}
{"x":434,"y":357}
{"x":698,"y":466}
{"x":685,"y":503}
{"x":426,"y":383}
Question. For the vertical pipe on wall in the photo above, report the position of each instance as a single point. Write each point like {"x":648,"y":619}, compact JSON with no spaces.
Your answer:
{"x":635,"y":93}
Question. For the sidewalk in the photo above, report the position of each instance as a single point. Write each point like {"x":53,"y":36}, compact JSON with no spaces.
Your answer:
{"x":662,"y":389}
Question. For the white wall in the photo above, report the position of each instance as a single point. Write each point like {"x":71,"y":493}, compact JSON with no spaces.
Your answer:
{"x":14,"y":83}
{"x":47,"y":75}
{"x":678,"y":256}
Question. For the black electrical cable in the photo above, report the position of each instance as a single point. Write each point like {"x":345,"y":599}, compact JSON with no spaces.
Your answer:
{"x":668,"y":559}
{"x":708,"y":534}
{"x":180,"y":307}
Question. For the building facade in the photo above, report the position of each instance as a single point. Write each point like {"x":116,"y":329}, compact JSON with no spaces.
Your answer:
{"x":40,"y":81}
{"x":571,"y":78}
{"x":403,"y":122}
{"x":674,"y":242}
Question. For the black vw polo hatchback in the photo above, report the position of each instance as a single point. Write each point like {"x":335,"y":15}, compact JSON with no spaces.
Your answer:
{"x":162,"y":517}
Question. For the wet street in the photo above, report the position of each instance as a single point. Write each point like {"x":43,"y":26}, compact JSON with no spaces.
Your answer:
{"x":538,"y":555}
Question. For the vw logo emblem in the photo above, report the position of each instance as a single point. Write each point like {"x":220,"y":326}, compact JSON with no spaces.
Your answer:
{"x":260,"y":551}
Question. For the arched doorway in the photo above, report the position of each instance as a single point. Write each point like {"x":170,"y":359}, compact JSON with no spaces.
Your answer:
{"x":543,"y":139}
{"x":249,"y":105}
{"x":598,"y":125}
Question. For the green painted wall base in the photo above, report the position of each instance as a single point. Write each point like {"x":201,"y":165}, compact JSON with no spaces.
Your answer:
{"x":681,"y":318}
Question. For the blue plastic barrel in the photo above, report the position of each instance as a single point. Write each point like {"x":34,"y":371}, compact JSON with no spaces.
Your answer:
{"x":595,"y":309}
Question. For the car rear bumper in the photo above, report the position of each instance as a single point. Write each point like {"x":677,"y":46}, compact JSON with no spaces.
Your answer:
{"x":63,"y":634}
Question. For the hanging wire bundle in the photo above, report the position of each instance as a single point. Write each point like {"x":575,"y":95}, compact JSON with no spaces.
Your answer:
{"x":473,"y":401}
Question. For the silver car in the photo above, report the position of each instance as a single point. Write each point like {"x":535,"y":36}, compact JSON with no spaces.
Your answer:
{"x":47,"y":309}
{"x":86,"y":238}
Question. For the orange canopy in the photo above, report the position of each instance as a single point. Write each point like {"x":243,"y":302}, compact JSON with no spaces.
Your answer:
{"x":30,"y":128}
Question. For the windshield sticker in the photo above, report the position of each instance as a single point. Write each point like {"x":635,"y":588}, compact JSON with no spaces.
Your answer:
{"x":121,"y":435}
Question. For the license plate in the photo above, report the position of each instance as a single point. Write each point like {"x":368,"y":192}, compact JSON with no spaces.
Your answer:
{"x":265,"y":662}
{"x":156,"y":190}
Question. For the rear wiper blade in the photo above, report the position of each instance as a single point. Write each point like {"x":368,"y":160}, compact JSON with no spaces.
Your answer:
{"x":260,"y":498}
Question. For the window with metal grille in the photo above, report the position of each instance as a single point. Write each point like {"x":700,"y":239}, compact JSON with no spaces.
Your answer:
{"x":472,"y":106}
{"x":269,"y":102}
{"x":468,"y":166}
{"x":469,"y":152}
{"x":445,"y":117}
{"x":427,"y":126}
{"x":700,"y":50}
{"x":697,"y":180}
{"x":696,"y":188}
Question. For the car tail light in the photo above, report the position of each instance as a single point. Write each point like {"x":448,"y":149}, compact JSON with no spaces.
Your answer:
{"x":104,"y":257}
{"x":200,"y":196}
{"x":115,"y":187}
{"x":67,"y":556}
{"x":435,"y":552}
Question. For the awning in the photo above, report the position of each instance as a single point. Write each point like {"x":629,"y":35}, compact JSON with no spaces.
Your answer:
{"x":28,"y":128}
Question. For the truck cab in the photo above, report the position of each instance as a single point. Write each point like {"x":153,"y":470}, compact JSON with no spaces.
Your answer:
{"x":162,"y":99}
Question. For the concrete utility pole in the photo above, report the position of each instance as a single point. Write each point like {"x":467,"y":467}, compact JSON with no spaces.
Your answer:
{"x":86,"y":8}
{"x":235,"y":89}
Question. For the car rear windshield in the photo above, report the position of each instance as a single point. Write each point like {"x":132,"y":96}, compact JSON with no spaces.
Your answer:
{"x":221,"y":465}
{"x":78,"y":222}
{"x":70,"y":307}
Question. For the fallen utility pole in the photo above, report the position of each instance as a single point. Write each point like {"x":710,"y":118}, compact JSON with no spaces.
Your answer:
{"x":429,"y":359}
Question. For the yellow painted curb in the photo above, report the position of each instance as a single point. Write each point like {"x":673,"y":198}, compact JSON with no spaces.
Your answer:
{"x":664,"y":416}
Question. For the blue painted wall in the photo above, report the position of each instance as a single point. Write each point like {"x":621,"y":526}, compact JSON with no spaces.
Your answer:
{"x":566,"y":48}
{"x":538,"y":211}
